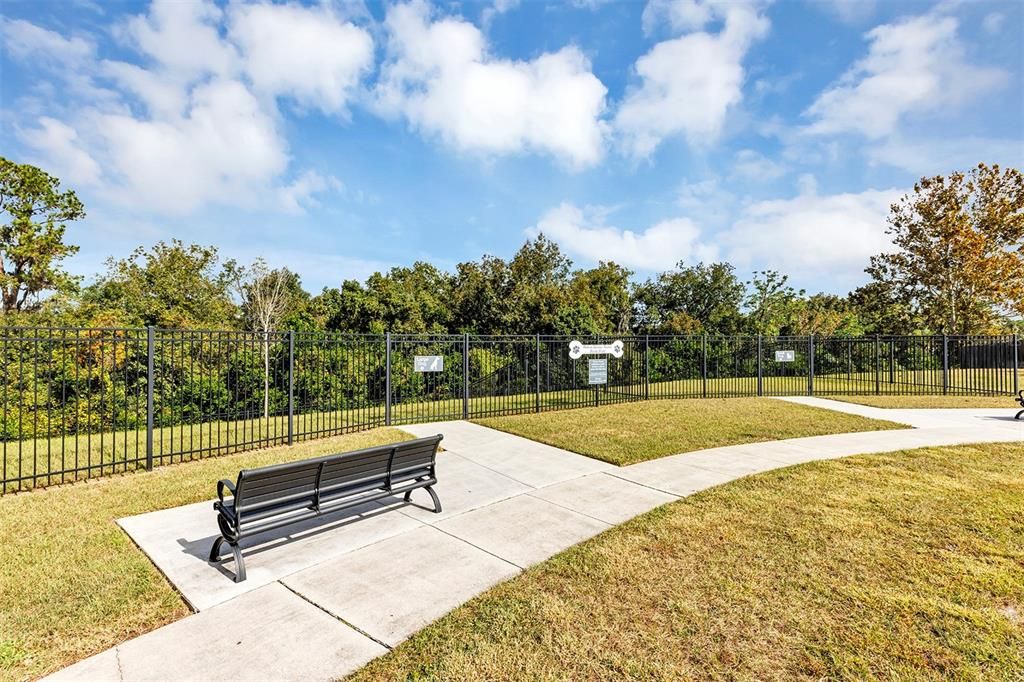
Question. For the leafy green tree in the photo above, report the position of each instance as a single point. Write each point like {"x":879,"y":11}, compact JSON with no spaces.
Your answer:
{"x":172,"y":285}
{"x":883,"y":310}
{"x":959,"y":261}
{"x":694,"y":299}
{"x":32,"y":244}
{"x":825,"y":315}
{"x":771,"y":302}
{"x":605,"y":294}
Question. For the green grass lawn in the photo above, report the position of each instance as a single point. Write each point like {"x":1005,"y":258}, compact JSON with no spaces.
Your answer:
{"x":633,"y":432}
{"x":71,"y":581}
{"x":907,"y":565}
{"x":930,"y":401}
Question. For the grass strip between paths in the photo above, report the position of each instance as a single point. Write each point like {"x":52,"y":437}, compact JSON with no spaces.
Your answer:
{"x":633,"y":432}
{"x":930,"y":401}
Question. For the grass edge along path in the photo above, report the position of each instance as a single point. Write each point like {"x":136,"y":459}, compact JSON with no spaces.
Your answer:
{"x":904,"y":565}
{"x":72,"y":583}
{"x":930,"y":401}
{"x":634,"y":432}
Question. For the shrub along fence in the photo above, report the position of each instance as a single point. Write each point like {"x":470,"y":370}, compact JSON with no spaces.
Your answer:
{"x":89,"y":402}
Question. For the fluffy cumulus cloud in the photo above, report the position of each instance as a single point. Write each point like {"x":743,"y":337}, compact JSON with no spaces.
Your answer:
{"x":440,"y":76}
{"x":915,"y":65}
{"x":688,"y":84}
{"x":320,"y":64}
{"x":585,"y":233}
{"x":811,"y":235}
{"x":194,"y":120}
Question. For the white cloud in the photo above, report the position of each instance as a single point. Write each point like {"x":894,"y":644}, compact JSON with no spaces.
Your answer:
{"x":689,"y":84}
{"x":440,"y":76}
{"x":756,"y":167}
{"x":993,"y":23}
{"x":57,"y":140}
{"x":24,"y":40}
{"x":183,"y":38}
{"x":811,"y":235}
{"x":583,"y":232}
{"x":224,"y":149}
{"x":195,"y":120}
{"x":848,"y":11}
{"x":302,"y":192}
{"x":915,"y":65}
{"x":940,"y":156}
{"x":309,"y":54}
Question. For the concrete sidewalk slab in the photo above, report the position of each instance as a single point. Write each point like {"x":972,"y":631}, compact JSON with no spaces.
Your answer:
{"x":393,"y":588}
{"x":604,"y":497}
{"x":675,"y":477}
{"x":523,"y":530}
{"x":277,"y":634}
{"x":462,"y":485}
{"x":532,"y":463}
{"x":178,"y":541}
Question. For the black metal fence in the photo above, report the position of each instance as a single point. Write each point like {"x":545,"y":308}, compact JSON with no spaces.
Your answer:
{"x":79,"y":403}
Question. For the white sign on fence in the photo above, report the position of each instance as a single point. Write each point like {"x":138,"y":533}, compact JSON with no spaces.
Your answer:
{"x":597,"y":371}
{"x":428,"y":363}
{"x":578,"y":349}
{"x":785,"y":356}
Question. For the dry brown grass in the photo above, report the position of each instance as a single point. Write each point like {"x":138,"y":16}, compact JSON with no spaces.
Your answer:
{"x":71,"y":581}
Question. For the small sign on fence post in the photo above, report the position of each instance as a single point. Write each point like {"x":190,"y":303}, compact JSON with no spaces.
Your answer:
{"x":785,"y":356}
{"x":578,"y":349}
{"x":597,"y":371}
{"x":428,"y":363}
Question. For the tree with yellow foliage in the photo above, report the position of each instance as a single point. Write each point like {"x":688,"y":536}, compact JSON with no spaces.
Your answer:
{"x":960,"y":257}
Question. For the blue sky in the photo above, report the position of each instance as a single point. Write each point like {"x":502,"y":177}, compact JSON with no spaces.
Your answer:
{"x":338,"y":138}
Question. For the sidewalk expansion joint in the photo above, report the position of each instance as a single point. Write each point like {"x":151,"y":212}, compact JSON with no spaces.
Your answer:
{"x":336,"y":617}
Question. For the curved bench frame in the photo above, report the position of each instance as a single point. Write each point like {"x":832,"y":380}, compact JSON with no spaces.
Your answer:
{"x":1020,"y":399}
{"x":283,"y":494}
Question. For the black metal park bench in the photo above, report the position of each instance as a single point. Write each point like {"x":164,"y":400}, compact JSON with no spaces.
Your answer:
{"x":276,"y":496}
{"x":1019,"y":399}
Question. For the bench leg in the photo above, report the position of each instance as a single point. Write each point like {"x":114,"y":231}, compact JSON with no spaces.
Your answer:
{"x":433,"y":496}
{"x":239,"y":563}
{"x":1018,"y":415}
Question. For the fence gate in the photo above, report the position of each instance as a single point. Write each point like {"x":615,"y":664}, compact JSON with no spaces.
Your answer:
{"x":425,"y":378}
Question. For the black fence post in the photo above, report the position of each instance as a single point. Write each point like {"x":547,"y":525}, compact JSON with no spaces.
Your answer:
{"x":878,"y":366}
{"x":150,"y":380}
{"x":465,"y":376}
{"x":810,"y":365}
{"x":647,"y":367}
{"x":387,"y":379}
{"x":536,"y":397}
{"x":945,"y":364}
{"x":291,"y":386}
{"x":704,"y":366}
{"x":1016,"y":366}
{"x":760,"y":372}
{"x":892,"y":360}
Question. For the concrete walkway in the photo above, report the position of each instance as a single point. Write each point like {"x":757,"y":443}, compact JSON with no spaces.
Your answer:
{"x":322,"y":601}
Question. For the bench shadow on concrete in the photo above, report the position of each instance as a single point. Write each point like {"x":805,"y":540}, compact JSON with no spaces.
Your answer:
{"x":261,"y":543}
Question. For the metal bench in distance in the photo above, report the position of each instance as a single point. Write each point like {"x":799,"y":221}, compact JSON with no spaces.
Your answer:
{"x":282,"y":494}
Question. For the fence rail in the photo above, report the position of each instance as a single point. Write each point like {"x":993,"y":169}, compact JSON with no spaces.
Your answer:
{"x":79,"y":403}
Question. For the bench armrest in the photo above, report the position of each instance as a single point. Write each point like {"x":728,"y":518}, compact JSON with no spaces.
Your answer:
{"x":224,"y":483}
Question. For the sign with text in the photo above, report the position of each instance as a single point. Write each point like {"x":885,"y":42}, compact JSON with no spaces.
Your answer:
{"x":597,"y":371}
{"x":785,"y":356}
{"x":428,"y":363}
{"x":578,"y":349}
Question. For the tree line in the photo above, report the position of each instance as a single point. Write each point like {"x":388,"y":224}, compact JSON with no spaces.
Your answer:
{"x":957,"y":267}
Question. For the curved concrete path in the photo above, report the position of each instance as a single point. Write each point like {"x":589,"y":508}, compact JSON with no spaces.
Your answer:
{"x":321,"y":603}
